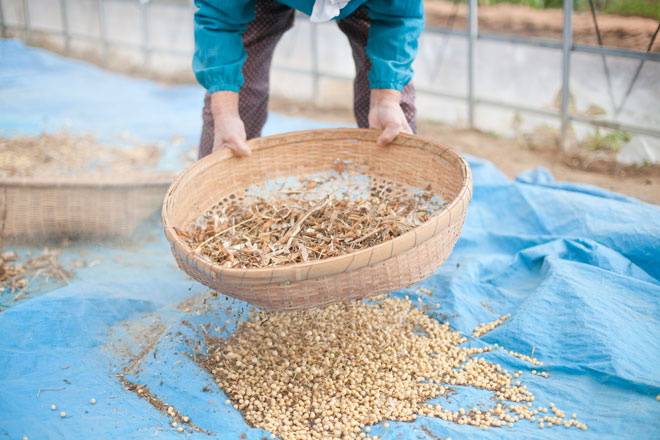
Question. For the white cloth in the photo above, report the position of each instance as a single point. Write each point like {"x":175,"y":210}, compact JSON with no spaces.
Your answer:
{"x":326,"y":10}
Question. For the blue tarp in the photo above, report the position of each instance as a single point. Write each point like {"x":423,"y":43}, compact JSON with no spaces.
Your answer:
{"x":577,"y":267}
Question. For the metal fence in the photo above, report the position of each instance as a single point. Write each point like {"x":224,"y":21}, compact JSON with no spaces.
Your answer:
{"x":472,"y":34}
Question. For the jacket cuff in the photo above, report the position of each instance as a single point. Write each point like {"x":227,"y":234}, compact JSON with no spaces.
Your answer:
{"x":384,"y":84}
{"x":223,"y":87}
{"x":214,"y":79}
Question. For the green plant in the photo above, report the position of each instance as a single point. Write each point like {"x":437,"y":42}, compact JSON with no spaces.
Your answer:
{"x":612,"y":141}
{"x":642,"y":8}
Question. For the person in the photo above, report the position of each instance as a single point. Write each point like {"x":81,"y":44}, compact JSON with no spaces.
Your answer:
{"x":234,"y":45}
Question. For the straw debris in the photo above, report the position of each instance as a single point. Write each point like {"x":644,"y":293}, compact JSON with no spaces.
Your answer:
{"x":18,"y":277}
{"x":144,"y":392}
{"x":302,"y":225}
{"x":331,"y":372}
{"x":66,"y":154}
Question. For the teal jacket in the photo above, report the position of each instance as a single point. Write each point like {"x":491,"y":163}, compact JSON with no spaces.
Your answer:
{"x":391,"y":47}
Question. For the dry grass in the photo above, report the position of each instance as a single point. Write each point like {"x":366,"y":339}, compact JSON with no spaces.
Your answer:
{"x":66,"y":154}
{"x":18,"y":275}
{"x":287,"y":227}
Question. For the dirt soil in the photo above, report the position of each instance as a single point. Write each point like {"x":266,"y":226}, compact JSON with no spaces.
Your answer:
{"x":616,"y":30}
{"x":513,"y":156}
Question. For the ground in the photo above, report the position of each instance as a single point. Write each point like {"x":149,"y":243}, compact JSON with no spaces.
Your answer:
{"x":513,"y":156}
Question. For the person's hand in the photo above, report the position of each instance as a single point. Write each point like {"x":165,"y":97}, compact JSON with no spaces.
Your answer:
{"x":385,"y":113}
{"x":228,"y":129}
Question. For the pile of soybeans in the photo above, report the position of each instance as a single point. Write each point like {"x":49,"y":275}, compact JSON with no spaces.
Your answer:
{"x":330,"y":372}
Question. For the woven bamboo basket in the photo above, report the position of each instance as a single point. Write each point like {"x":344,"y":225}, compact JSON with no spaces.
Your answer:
{"x":42,"y":209}
{"x":405,"y":260}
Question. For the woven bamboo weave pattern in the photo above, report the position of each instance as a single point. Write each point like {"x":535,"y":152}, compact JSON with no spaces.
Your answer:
{"x":410,"y":160}
{"x":41,"y":209}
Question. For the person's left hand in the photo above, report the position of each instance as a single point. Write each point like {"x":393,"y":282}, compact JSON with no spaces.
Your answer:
{"x":385,"y":113}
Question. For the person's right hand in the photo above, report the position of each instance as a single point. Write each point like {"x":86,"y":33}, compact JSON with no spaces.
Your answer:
{"x":385,"y":114}
{"x":228,"y":129}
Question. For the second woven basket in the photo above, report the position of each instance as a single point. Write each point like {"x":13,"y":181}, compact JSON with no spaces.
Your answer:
{"x":410,"y":160}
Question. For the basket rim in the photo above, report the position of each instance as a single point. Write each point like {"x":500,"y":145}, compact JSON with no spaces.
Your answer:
{"x":179,"y":245}
{"x":150,"y":178}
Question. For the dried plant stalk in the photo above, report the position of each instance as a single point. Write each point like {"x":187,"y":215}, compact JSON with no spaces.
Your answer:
{"x":18,"y":277}
{"x":287,"y":227}
{"x":66,"y":154}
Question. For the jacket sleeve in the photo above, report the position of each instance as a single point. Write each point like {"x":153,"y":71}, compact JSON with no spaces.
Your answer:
{"x":219,"y":52}
{"x":392,"y":45}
